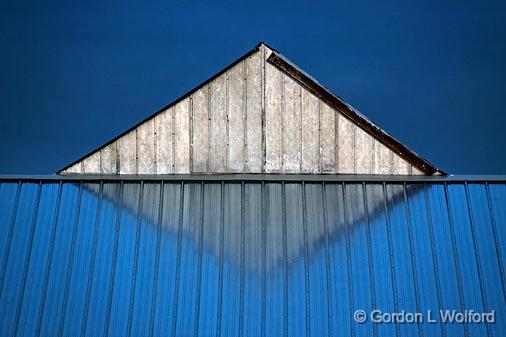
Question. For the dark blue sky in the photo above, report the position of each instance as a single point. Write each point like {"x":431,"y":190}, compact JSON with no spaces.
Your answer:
{"x":74,"y":75}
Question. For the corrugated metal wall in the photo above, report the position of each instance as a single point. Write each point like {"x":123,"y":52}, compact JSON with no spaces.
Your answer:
{"x":253,"y":118}
{"x":249,"y":259}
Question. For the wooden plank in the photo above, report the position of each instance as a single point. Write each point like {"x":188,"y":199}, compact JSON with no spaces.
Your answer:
{"x":218,"y":129}
{"x":254,"y":149}
{"x":399,"y":165}
{"x":146,"y":147}
{"x":291,"y":121}
{"x":363,"y":152}
{"x":415,"y":171}
{"x":164,"y":142}
{"x":109,"y":159}
{"x":310,"y":133}
{"x":236,"y":117}
{"x":345,"y":145}
{"x":182,"y":136}
{"x":200,"y":130}
{"x":91,"y":164}
{"x":273,"y":87}
{"x":127,"y":153}
{"x":327,"y":139}
{"x":382,"y":159}
{"x":76,"y":168}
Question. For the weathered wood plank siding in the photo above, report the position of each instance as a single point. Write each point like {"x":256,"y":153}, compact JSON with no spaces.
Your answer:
{"x":164,"y":142}
{"x":273,"y":114}
{"x":236,"y":111}
{"x":218,"y":125}
{"x":200,"y":130}
{"x":310,"y":133}
{"x":254,"y":130}
{"x":292,"y":119}
{"x":253,"y":118}
{"x":128,"y":153}
{"x":327,"y":139}
{"x":146,"y":148}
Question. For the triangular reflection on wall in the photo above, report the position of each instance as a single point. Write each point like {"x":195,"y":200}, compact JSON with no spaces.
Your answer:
{"x":248,"y":220}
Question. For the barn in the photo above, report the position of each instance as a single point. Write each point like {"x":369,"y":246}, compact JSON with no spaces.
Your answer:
{"x":257,"y":204}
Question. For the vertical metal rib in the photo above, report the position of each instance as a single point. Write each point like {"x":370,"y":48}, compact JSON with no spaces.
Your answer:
{"x":348,"y":255}
{"x":285,"y":261}
{"x":9,"y":236}
{"x":306,"y":267}
{"x":434,"y":255}
{"x":92,"y":264}
{"x":327,"y":259}
{"x":369,"y":252}
{"x":455,"y":255}
{"x":136,"y":259}
{"x":114,"y":258}
{"x":476,"y":253}
{"x":199,"y":263}
{"x":496,"y":240}
{"x":241,"y":295}
{"x":27,"y":259}
{"x":391,"y":255}
{"x":264,"y":258}
{"x":178,"y":260}
{"x":50,"y":259}
{"x":70,"y":265}
{"x":412,"y":255}
{"x":222,"y":243}
{"x":157,"y":260}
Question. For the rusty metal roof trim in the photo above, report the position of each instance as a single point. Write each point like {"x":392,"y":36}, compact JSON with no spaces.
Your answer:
{"x":351,"y":113}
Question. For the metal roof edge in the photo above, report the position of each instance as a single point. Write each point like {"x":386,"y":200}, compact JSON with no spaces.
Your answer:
{"x":260,"y":177}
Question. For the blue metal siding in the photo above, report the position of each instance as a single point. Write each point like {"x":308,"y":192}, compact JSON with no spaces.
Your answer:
{"x":276,"y":288}
{"x":337,"y":242}
{"x":133,"y":258}
{"x":379,"y":234}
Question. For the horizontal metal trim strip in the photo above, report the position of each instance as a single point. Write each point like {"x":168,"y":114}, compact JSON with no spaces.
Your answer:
{"x":258,"y":177}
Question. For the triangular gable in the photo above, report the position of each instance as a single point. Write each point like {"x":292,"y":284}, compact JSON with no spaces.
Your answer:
{"x":261,"y":114}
